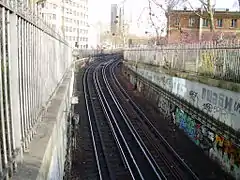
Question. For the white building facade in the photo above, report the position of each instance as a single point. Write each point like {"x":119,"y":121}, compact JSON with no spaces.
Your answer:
{"x":70,"y":18}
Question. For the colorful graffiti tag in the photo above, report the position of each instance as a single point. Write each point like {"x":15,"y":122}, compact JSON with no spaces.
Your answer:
{"x":186,"y":123}
{"x":198,"y":133}
{"x":217,"y":147}
{"x":227,"y":155}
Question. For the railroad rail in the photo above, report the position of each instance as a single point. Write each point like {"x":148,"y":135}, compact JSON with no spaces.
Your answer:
{"x":170,"y":162}
{"x":111,"y":160}
{"x":125,"y":143}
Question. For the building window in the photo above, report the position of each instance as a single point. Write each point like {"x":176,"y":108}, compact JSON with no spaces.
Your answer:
{"x":219,"y":23}
{"x":234,"y":23}
{"x":205,"y":22}
{"x":191,"y":21}
{"x":54,"y":16}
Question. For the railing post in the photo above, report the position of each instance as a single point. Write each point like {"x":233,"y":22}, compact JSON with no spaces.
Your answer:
{"x":14,"y":85}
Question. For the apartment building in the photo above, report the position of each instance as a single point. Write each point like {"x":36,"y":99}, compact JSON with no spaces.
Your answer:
{"x":193,"y":26}
{"x":70,"y":18}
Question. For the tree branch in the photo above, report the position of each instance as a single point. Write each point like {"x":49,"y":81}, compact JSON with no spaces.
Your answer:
{"x":150,"y":16}
{"x":194,"y":11}
{"x":203,"y":2}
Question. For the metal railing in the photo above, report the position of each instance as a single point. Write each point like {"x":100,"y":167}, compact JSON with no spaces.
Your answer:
{"x":219,"y":60}
{"x":34,"y":60}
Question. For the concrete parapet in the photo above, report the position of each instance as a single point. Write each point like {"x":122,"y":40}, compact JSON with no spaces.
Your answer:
{"x":46,"y":154}
{"x":228,"y":85}
{"x":221,"y":104}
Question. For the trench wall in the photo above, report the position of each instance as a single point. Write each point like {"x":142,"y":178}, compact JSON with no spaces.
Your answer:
{"x":209,"y":116}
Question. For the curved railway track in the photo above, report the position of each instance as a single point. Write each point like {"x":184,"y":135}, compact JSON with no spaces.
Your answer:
{"x":168,"y":160}
{"x":125,"y":143}
{"x":106,"y":147}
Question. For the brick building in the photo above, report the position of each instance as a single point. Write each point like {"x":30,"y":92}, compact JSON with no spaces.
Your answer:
{"x":193,"y":26}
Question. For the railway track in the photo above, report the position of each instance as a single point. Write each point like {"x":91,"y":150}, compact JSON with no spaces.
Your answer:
{"x":117,"y":151}
{"x":124,"y":143}
{"x":143,"y":165}
{"x":169,"y":161}
{"x":106,"y":150}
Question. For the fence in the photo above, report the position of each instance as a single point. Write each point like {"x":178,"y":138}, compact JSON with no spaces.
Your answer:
{"x":215,"y":60}
{"x":34,"y":59}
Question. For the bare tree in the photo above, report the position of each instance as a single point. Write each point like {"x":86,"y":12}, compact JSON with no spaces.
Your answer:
{"x":237,"y":4}
{"x":166,"y":6}
{"x":151,"y":14}
{"x":208,"y":7}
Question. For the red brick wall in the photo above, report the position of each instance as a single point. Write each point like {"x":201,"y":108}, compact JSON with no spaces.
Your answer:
{"x":185,"y":36}
{"x":190,"y":34}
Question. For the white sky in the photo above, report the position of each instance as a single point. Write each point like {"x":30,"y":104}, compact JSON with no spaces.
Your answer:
{"x":99,"y":10}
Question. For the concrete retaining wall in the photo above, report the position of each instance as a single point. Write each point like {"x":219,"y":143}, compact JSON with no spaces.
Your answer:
{"x":223,"y":105}
{"x":215,"y":143}
{"x":46,"y":155}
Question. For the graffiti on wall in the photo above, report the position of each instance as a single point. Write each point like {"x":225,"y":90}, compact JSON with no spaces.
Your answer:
{"x":165,"y":107}
{"x":227,"y":155}
{"x":222,"y":105}
{"x":179,"y":87}
{"x":166,"y":82}
{"x":193,"y":97}
{"x":217,"y":147}
{"x":162,"y":80}
{"x":221,"y":101}
{"x":198,"y":133}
